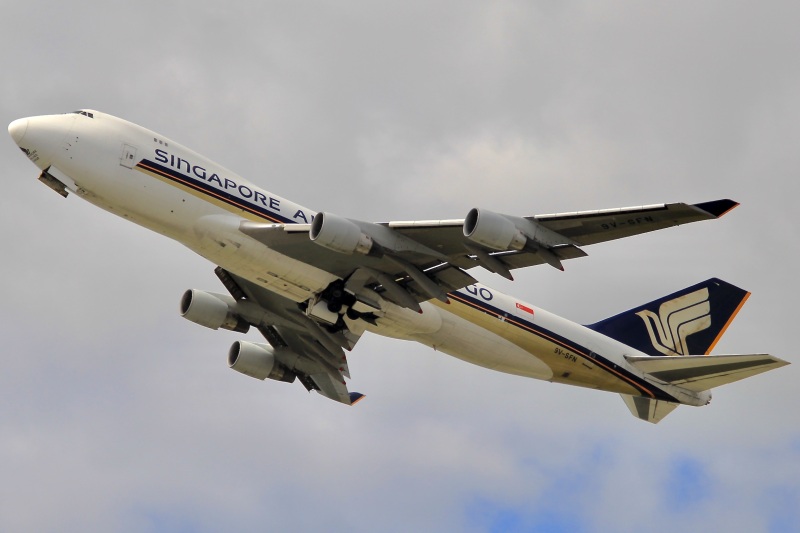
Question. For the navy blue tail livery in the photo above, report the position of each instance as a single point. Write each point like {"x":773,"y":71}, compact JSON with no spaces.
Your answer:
{"x":688,"y":322}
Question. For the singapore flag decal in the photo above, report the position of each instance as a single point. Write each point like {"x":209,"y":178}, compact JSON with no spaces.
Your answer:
{"x":525,"y":308}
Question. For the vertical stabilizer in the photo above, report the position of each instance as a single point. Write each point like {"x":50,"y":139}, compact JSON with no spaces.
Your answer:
{"x":690,"y":321}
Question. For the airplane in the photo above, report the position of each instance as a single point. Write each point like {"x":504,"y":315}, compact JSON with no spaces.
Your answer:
{"x":312,"y":283}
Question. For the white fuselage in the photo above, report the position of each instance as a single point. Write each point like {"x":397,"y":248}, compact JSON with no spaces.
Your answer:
{"x":155,"y":182}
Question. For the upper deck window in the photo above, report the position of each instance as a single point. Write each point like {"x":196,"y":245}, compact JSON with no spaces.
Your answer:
{"x":84,"y":113}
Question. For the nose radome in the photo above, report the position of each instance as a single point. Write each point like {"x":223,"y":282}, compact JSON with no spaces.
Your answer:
{"x":17,"y":129}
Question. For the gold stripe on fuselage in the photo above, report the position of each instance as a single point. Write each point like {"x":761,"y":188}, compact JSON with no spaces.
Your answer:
{"x":569,"y":364}
{"x":241,"y":209}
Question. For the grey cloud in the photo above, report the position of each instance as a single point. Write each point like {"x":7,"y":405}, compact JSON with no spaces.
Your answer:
{"x":119,"y":415}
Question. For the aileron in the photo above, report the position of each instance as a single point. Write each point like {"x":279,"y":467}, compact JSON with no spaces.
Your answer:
{"x":592,"y":227}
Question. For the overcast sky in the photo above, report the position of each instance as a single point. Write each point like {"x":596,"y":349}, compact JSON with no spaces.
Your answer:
{"x":118,"y":415}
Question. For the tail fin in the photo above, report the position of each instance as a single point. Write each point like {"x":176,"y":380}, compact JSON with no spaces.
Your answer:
{"x":690,"y":321}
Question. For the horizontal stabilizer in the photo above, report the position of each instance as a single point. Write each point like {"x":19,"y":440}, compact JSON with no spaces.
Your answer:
{"x":648,"y":409}
{"x":702,"y":372}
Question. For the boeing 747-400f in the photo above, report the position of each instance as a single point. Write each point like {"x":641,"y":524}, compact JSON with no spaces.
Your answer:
{"x":313,"y":282}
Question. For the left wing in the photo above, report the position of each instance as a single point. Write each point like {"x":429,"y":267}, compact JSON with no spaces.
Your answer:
{"x":308,"y":350}
{"x":411,"y":262}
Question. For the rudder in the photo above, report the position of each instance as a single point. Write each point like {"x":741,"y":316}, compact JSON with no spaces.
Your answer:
{"x":690,"y":321}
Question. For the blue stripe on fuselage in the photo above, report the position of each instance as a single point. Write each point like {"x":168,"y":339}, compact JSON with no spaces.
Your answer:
{"x":220,"y":194}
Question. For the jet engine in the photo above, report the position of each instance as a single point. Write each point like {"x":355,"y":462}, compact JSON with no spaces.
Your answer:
{"x":493,"y":230}
{"x":257,"y":361}
{"x":339,"y":234}
{"x":212,"y":311}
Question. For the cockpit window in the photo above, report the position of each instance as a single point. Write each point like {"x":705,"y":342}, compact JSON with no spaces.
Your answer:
{"x":84,"y":113}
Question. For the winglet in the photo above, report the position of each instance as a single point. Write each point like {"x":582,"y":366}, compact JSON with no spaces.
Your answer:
{"x":717,"y":208}
{"x":356,"y":397}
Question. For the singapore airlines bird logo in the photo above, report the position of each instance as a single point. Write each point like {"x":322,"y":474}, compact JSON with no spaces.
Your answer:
{"x":676,"y":320}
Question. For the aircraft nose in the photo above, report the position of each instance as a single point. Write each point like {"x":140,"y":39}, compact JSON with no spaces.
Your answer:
{"x":17,"y":129}
{"x":41,"y":137}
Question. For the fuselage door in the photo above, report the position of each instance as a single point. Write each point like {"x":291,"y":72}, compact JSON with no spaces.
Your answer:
{"x":128,"y":157}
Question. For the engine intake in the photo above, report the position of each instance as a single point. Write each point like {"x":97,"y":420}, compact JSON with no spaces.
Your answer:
{"x":257,"y":361}
{"x":493,"y":230}
{"x":339,"y":234}
{"x":212,"y":311}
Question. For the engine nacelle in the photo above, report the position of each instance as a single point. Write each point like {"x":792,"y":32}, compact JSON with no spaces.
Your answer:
{"x":493,"y":230}
{"x":339,"y":234}
{"x":257,"y":361}
{"x":212,"y":311}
